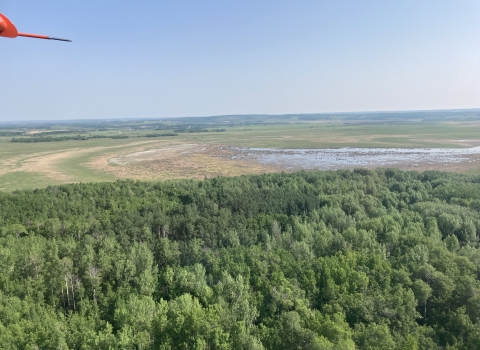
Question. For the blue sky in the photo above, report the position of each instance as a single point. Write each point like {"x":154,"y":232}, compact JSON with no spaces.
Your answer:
{"x":151,"y":59}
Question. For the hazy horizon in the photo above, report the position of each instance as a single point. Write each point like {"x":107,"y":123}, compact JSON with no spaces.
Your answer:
{"x":242,"y":115}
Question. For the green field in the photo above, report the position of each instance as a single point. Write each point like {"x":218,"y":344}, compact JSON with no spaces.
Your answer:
{"x":40,"y":164}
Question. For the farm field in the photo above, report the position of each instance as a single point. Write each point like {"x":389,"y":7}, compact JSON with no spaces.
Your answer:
{"x":187,"y":148}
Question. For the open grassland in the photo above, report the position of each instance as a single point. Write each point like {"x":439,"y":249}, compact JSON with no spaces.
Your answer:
{"x":191,"y":154}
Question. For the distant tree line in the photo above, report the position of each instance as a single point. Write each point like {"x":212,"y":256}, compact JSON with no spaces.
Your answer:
{"x":11,"y":133}
{"x":162,"y":134}
{"x":59,"y":132}
{"x":66,"y":138}
{"x":192,"y":130}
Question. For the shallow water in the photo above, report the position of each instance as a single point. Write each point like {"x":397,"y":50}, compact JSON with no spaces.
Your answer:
{"x":341,"y":158}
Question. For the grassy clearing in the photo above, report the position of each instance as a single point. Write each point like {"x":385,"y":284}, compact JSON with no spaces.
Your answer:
{"x":20,"y":180}
{"x":341,"y":135}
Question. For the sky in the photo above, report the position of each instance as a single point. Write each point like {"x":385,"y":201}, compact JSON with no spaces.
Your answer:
{"x":158,"y":59}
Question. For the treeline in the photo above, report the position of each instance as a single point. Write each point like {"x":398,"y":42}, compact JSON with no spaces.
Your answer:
{"x":358,"y":259}
{"x":405,"y":116}
{"x":66,"y":138}
{"x":162,"y":134}
{"x":11,"y":133}
{"x":196,"y":129}
{"x":59,"y":132}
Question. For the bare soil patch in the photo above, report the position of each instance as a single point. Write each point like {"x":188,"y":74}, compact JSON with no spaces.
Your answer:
{"x":471,"y":165}
{"x":184,"y":161}
{"x":154,"y":154}
{"x":461,"y":143}
{"x":41,"y":162}
{"x":47,"y":164}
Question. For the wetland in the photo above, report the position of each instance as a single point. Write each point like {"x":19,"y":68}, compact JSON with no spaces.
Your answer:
{"x":37,"y":155}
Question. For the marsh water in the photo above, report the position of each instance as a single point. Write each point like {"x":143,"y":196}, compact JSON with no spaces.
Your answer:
{"x":342,"y":158}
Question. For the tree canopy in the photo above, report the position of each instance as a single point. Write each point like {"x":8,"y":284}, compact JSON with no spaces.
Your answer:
{"x":367,"y":259}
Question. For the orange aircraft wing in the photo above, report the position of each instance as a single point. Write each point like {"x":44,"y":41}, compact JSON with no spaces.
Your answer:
{"x":8,"y":30}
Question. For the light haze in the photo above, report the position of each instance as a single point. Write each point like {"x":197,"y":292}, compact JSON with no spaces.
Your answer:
{"x":156,"y":59}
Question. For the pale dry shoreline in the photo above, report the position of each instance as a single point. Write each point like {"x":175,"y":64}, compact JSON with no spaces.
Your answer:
{"x":204,"y":160}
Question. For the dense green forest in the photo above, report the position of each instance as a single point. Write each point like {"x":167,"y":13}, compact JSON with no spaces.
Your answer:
{"x":360,"y":259}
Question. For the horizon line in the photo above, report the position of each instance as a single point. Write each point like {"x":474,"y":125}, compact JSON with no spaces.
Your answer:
{"x":236,"y":115}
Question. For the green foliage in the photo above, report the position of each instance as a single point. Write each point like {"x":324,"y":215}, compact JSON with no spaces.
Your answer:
{"x":68,"y":138}
{"x":162,"y":134}
{"x":312,"y":260}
